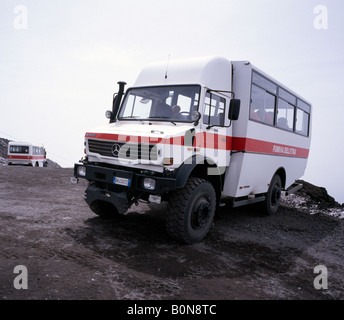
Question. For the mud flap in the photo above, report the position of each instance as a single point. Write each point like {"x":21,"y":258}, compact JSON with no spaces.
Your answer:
{"x":293,"y":188}
{"x":117,"y":199}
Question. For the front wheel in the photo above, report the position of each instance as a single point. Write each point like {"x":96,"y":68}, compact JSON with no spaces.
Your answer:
{"x":273,"y":197}
{"x":191,"y":211}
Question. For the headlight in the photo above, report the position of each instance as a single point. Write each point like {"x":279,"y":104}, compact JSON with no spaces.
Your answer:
{"x":149,"y":183}
{"x":81,"y":171}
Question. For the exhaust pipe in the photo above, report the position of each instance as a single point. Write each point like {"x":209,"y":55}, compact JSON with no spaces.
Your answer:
{"x":117,"y":100}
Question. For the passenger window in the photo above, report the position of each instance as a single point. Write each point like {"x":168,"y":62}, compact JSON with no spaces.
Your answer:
{"x":302,"y":121}
{"x":285,"y":115}
{"x":214,"y":110}
{"x":302,"y":118}
{"x":275,"y":106}
{"x":264,"y":83}
{"x":304,"y":106}
{"x":262,"y":105}
{"x":285,"y":95}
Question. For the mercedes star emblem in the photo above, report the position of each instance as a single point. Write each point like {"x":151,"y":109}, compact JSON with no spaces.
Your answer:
{"x":115,"y":150}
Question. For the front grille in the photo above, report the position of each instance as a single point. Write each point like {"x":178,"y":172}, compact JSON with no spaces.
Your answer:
{"x":132,"y":151}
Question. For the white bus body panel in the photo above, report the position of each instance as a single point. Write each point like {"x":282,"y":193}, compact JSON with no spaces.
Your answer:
{"x":250,"y":172}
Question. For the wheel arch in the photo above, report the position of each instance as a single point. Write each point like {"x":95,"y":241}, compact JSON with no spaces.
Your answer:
{"x":282,"y":173}
{"x":204,"y":168}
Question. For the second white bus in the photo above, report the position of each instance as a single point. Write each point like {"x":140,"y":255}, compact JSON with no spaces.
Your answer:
{"x":23,"y":153}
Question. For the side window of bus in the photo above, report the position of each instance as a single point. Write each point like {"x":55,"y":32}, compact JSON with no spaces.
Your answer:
{"x":262,"y":105}
{"x":302,"y":118}
{"x":292,"y":114}
{"x":285,"y":115}
{"x":214,"y":110}
{"x":263,"y":99}
{"x":285,"y":110}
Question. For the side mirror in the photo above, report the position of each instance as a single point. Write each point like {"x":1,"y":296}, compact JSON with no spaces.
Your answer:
{"x":195,"y":116}
{"x":109,"y":114}
{"x":234,"y":109}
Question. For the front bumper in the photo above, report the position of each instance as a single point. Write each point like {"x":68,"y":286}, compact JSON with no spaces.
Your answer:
{"x":19,"y":162}
{"x":118,"y":199}
{"x":109,"y":177}
{"x":119,"y":187}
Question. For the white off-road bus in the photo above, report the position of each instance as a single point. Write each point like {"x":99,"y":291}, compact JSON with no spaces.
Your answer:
{"x":24,"y":153}
{"x":197,"y":133}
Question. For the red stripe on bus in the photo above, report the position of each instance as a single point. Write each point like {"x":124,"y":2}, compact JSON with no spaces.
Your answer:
{"x":26,"y":157}
{"x":213,"y":141}
{"x":265,"y":147}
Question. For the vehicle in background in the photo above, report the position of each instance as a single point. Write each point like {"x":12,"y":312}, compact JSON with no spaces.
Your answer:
{"x":23,"y":153}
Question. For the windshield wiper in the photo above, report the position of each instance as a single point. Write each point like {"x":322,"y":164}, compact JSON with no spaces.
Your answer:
{"x":156,"y":117}
{"x":130,"y":117}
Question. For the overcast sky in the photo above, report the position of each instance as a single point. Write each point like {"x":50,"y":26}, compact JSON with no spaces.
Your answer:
{"x":60,"y":62}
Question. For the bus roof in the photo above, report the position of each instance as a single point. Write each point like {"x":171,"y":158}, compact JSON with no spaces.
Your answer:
{"x":213,"y":72}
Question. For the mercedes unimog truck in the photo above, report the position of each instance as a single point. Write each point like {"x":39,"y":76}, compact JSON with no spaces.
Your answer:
{"x":197,"y":133}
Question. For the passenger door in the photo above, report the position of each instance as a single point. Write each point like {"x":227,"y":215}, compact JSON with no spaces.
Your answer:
{"x":216,"y":129}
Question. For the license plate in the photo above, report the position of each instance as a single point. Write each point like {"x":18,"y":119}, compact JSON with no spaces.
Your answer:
{"x":121,"y":181}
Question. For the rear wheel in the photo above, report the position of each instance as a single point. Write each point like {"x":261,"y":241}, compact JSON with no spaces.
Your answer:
{"x":191,"y":211}
{"x":273,"y":197}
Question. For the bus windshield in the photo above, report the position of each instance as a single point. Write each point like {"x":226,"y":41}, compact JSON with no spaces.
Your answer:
{"x":164,"y":103}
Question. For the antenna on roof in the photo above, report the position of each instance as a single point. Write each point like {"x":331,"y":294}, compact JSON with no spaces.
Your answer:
{"x":168,"y":61}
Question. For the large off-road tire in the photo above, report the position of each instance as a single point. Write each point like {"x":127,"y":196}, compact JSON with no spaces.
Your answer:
{"x":273,"y":197}
{"x":104,"y":209}
{"x":191,"y":211}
